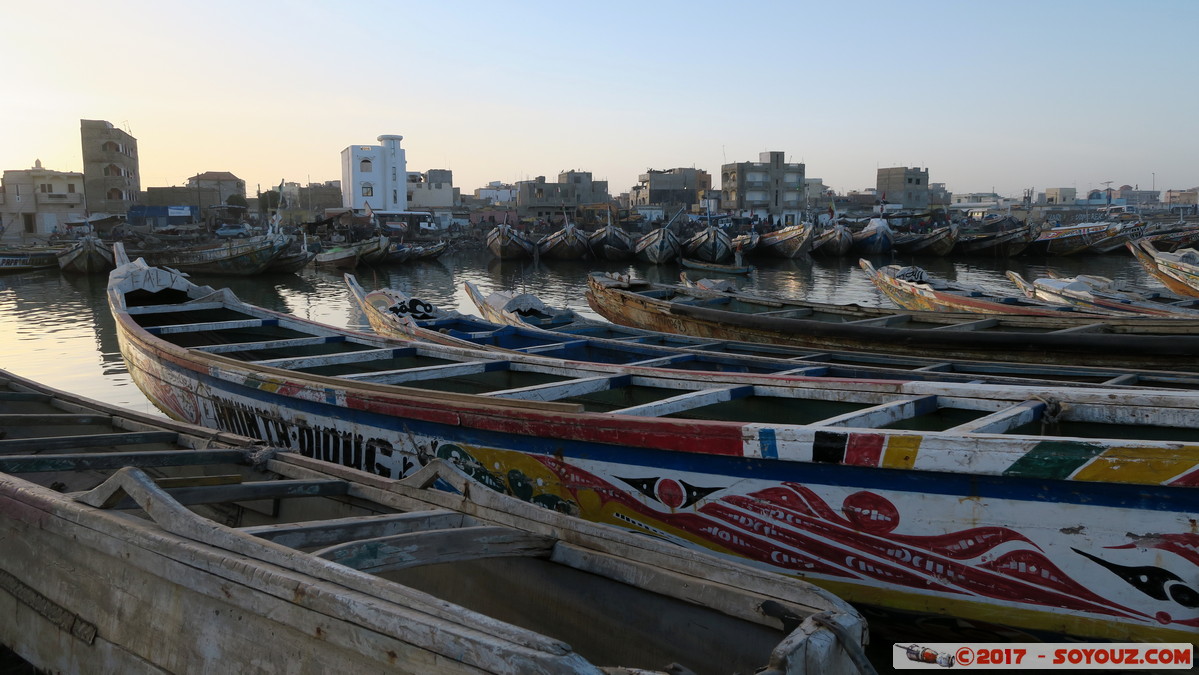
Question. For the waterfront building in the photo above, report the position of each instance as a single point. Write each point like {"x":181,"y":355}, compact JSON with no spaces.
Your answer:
{"x":1061,"y":195}
{"x":679,"y":187}
{"x":769,"y":187}
{"x":496,"y":193}
{"x":375,"y":176}
{"x":111,"y":177}
{"x":220,"y":184}
{"x":36,"y":203}
{"x":433,"y":189}
{"x":905,"y":186}
{"x":540,"y":199}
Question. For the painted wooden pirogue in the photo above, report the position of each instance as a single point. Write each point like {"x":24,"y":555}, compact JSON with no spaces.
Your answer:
{"x":1179,"y":271}
{"x":911,"y":287}
{"x":1087,"y":340}
{"x":26,"y":259}
{"x":506,"y":243}
{"x":1091,"y":293}
{"x":246,"y":559}
{"x":519,"y":322}
{"x":237,"y":258}
{"x":1066,"y":511}
{"x":89,"y":255}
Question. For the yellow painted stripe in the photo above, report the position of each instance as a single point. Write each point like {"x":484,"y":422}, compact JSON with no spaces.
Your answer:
{"x":1139,"y":465}
{"x":901,"y":452}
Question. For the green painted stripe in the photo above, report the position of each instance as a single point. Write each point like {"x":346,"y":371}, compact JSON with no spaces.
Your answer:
{"x":1054,"y":459}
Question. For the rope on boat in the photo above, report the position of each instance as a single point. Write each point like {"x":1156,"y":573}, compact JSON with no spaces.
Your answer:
{"x":1052,"y":415}
{"x":827,"y":619}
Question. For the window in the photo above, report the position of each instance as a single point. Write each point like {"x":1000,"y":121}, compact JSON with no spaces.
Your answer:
{"x":395,"y":196}
{"x":365,"y":166}
{"x":71,"y":188}
{"x":45,"y":188}
{"x":115,"y":194}
{"x":110,"y":146}
{"x":368,"y":190}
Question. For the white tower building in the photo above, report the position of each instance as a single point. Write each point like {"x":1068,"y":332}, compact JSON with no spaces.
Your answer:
{"x":375,"y":175}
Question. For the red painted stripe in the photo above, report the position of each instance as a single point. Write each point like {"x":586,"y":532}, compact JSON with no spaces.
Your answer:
{"x":1187,"y":479}
{"x":864,"y":449}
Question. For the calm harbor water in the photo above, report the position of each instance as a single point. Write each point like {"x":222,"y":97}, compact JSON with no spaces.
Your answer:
{"x":57,"y":329}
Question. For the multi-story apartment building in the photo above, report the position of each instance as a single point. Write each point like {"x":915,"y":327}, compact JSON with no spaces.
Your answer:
{"x":1059,"y":196}
{"x":539,"y":199}
{"x":905,"y":186}
{"x":375,"y":176}
{"x":111,"y":178}
{"x":671,"y":187}
{"x":37,"y":202}
{"x":767,"y":187}
{"x":496,"y":192}
{"x":432,"y":189}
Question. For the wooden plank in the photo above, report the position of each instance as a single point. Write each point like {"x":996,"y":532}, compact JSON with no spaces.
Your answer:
{"x":167,"y":483}
{"x":213,"y":326}
{"x":1004,"y":420}
{"x":688,"y":401}
{"x":181,"y":307}
{"x":552,"y":391}
{"x":1087,"y":328}
{"x":22,"y":445}
{"x":793,"y":312}
{"x":429,"y":372}
{"x":386,"y":554}
{"x":342,"y":358}
{"x":53,"y":419}
{"x":981,"y":324}
{"x":324,"y":533}
{"x":882,"y":415}
{"x":22,"y":397}
{"x":271,"y":344}
{"x":271,"y":489}
{"x":662,"y":361}
{"x":115,"y":460}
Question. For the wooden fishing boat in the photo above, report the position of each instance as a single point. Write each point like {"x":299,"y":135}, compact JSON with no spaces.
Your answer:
{"x":1078,"y":339}
{"x":735,"y":268}
{"x":1069,"y":239}
{"x":658,"y":246}
{"x":873,"y":239}
{"x":938,"y":242}
{"x":788,"y":242}
{"x":833,"y":242}
{"x":912,"y":287}
{"x":1030,"y":507}
{"x":372,"y":251}
{"x":89,"y":255}
{"x":521,"y":322}
{"x":259,"y":550}
{"x":611,"y":242}
{"x":1179,"y":271}
{"x":568,"y":243}
{"x":999,"y":243}
{"x":338,"y":258}
{"x":1097,"y":294}
{"x":506,"y":243}
{"x":27,"y":259}
{"x":431,"y":252}
{"x":1121,"y":233}
{"x":1178,"y":236}
{"x":710,"y":244}
{"x":746,"y":243}
{"x":236,"y":257}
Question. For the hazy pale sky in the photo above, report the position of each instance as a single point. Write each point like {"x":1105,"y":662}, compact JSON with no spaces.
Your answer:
{"x":999,"y":96}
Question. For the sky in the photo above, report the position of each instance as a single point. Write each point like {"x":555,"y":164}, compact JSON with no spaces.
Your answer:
{"x":988,"y":96}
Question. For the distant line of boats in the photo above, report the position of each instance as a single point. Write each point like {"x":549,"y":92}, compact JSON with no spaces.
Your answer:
{"x":1002,"y":237}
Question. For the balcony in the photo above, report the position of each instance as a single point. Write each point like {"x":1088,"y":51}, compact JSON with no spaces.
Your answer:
{"x":60,"y":198}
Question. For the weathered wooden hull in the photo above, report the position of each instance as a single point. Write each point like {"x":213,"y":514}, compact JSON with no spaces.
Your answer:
{"x":88,"y":256}
{"x":611,"y":243}
{"x":402,"y":578}
{"x":506,"y":243}
{"x":710,"y":244}
{"x":1173,"y":273}
{"x":834,"y":242}
{"x":1087,"y":299}
{"x":702,"y":266}
{"x":658,"y":246}
{"x":1004,"y":528}
{"x":874,"y":239}
{"x":939,"y":242}
{"x":569,"y":243}
{"x":340,"y":258}
{"x":789,"y":242}
{"x":231,"y":259}
{"x":927,"y":297}
{"x":1062,"y":241}
{"x":1172,"y":345}
{"x":16,"y":260}
{"x":1004,"y":244}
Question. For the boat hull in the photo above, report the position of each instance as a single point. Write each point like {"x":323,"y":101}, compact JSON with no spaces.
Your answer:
{"x":789,"y":242}
{"x":506,"y":243}
{"x":658,"y":246}
{"x":710,"y":244}
{"x":88,"y":256}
